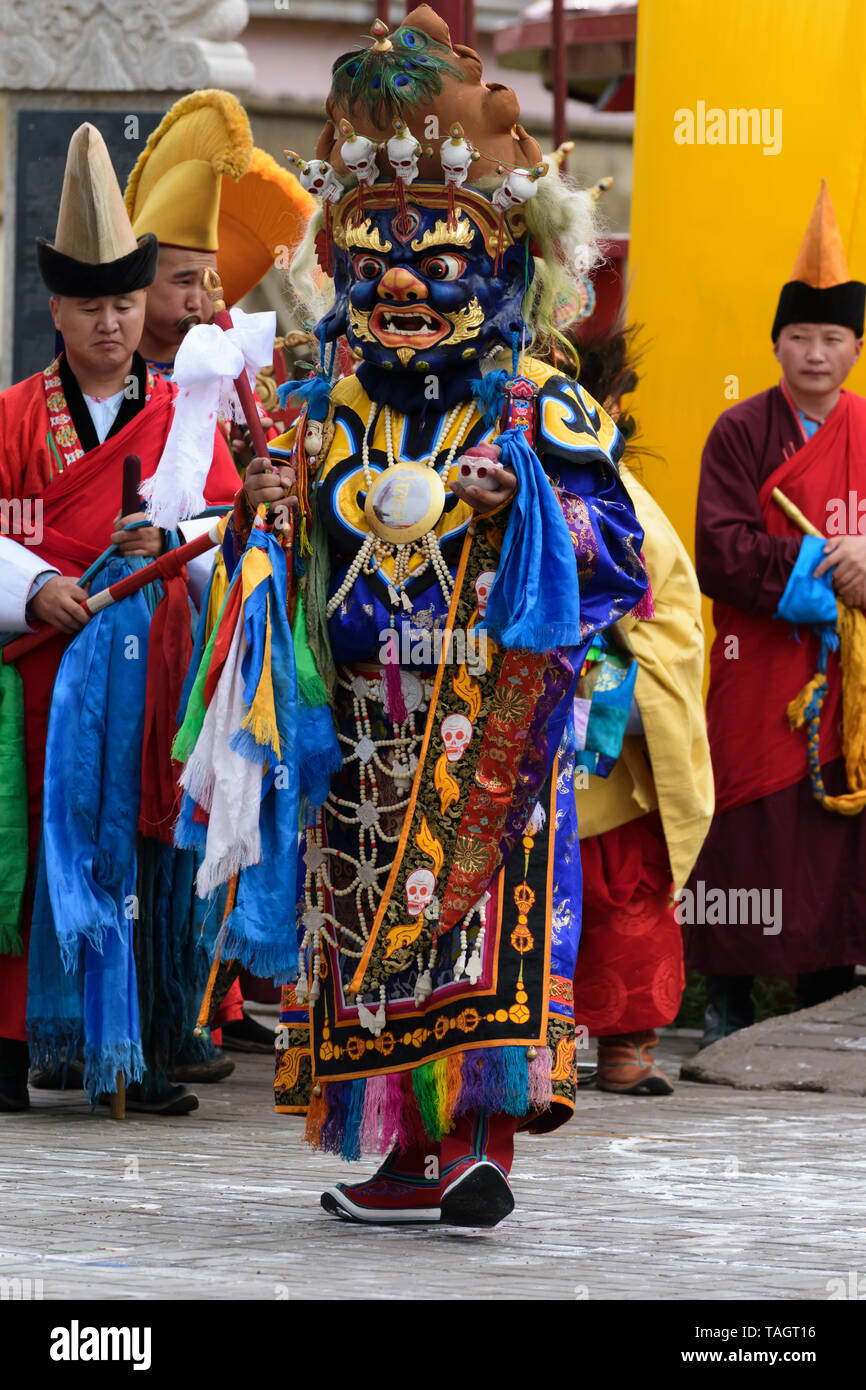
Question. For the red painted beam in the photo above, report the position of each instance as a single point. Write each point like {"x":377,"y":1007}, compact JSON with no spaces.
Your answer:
{"x":579,"y":28}
{"x":560,"y":74}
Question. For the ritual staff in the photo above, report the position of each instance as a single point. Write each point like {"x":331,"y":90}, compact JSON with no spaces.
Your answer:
{"x":439,"y":883}
{"x":64,"y":434}
{"x":780,"y":886}
{"x":212,"y":201}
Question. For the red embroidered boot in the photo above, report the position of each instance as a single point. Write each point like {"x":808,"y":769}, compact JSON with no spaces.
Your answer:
{"x":406,"y":1188}
{"x":475,"y":1161}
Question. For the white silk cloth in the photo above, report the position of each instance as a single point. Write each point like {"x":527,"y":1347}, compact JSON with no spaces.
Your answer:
{"x":207,"y":364}
{"x":227,"y":785}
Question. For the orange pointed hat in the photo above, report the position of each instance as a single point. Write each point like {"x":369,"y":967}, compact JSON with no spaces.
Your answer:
{"x":820,"y":290}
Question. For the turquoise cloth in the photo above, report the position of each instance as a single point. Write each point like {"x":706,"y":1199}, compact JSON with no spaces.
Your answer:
{"x":807,"y":599}
{"x":608,"y":715}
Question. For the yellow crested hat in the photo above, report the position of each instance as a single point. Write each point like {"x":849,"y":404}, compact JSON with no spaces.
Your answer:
{"x":262,"y":219}
{"x":174,"y":190}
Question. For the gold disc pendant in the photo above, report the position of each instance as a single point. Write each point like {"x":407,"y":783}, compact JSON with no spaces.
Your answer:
{"x":405,"y":502}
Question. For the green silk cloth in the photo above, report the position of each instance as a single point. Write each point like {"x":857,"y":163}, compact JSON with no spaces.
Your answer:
{"x":13,"y":809}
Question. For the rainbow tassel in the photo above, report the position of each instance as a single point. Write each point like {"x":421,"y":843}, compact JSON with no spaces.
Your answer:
{"x":540,"y":1080}
{"x":494,"y":1079}
{"x":317,"y":1113}
{"x":333,"y":1132}
{"x":453,"y":1082}
{"x":377,"y":1126}
{"x":350,"y":1148}
{"x":429,"y":1085}
{"x":407,"y":1109}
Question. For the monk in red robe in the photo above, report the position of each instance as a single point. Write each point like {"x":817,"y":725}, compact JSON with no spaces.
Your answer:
{"x":807,"y":437}
{"x":64,"y":434}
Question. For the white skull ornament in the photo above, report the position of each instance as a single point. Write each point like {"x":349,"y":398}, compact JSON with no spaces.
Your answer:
{"x":456,"y":732}
{"x":317,"y":177}
{"x":358,"y":154}
{"x":456,"y":156}
{"x":517,"y":188}
{"x":483,"y":585}
{"x":403,"y":150}
{"x":419,"y":890}
{"x":314,"y":433}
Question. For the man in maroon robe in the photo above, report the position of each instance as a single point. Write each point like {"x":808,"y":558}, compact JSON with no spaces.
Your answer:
{"x":806,"y":437}
{"x":64,"y":434}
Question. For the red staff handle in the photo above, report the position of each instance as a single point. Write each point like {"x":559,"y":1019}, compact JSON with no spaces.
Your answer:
{"x":130,"y":502}
{"x":166,"y":567}
{"x":223,"y":320}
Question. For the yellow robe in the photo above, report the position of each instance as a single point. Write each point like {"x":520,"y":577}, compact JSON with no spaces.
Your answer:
{"x":667,"y":768}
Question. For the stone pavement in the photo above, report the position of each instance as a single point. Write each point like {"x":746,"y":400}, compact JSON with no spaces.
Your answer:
{"x":818,"y":1049}
{"x":711,"y":1193}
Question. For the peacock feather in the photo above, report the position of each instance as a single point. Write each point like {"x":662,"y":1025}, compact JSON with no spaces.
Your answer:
{"x":386,"y":83}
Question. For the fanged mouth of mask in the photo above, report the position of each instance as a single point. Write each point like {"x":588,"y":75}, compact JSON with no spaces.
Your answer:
{"x":394,"y":327}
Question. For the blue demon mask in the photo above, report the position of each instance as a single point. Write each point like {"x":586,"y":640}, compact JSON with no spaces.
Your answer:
{"x":419,"y":289}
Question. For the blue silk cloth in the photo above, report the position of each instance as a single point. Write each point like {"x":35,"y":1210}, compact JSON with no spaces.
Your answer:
{"x":534,"y":602}
{"x":807,"y":599}
{"x":83,"y":992}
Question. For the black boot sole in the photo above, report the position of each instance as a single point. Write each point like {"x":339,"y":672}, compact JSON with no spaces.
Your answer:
{"x":479,"y":1197}
{"x":336,"y":1203}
